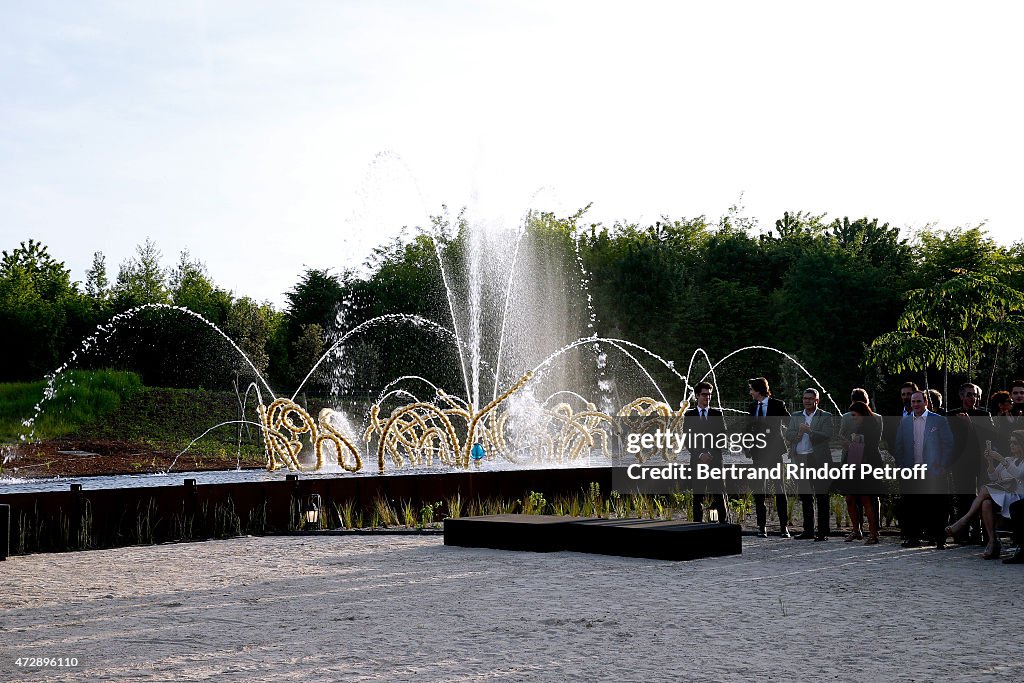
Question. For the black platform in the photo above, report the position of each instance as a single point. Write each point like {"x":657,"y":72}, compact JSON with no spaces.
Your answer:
{"x":656,"y":539}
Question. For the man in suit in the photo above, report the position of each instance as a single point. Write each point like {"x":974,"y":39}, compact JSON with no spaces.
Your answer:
{"x":765,"y":412}
{"x":924,"y":437}
{"x":808,"y":435}
{"x":1017,"y":396}
{"x":967,"y":466}
{"x":703,"y":425}
{"x":891,"y":424}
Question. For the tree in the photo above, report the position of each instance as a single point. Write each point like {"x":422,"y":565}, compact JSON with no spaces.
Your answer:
{"x":49,"y":278}
{"x":141,"y":279}
{"x":949,"y":326}
{"x":306,"y":351}
{"x":97,"y":285}
{"x":191,"y":288}
{"x":40,"y":308}
{"x":944,"y":254}
{"x":252,"y":325}
{"x":314,"y":299}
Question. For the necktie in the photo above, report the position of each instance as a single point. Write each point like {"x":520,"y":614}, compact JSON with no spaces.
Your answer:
{"x":760,"y":412}
{"x":703,"y":415}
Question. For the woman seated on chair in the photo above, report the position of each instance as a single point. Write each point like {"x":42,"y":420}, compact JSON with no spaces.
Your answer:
{"x":1006,"y":476}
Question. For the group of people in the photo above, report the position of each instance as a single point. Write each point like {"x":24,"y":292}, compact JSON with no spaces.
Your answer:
{"x":974,"y":458}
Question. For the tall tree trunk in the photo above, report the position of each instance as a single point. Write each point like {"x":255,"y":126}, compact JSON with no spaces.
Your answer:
{"x":1001,"y":317}
{"x":945,"y":366}
{"x":992,"y":375}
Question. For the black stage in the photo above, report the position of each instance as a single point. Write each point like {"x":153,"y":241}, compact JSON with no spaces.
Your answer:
{"x":656,"y":539}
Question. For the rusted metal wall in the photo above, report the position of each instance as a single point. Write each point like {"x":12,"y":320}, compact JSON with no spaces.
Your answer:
{"x":105,"y":518}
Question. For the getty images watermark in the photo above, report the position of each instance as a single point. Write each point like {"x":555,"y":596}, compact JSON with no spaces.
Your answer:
{"x":665,"y":440}
{"x":736,"y":472}
{"x":656,"y":459}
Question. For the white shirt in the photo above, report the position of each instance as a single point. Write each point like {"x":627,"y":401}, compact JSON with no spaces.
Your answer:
{"x":804,"y":446}
{"x":919,"y":437}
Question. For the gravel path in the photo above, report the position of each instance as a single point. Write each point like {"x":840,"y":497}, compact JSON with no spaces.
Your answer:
{"x":385,"y":608}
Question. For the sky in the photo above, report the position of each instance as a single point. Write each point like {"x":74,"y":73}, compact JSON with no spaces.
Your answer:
{"x":268,"y":137}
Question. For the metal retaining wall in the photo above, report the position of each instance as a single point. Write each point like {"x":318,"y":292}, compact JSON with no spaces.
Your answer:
{"x":103,"y":518}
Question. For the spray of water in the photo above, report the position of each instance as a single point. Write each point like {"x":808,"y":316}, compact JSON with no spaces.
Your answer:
{"x":103,"y":333}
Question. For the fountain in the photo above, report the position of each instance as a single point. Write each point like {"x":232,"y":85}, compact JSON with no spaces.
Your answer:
{"x":514,"y":334}
{"x":536,"y":389}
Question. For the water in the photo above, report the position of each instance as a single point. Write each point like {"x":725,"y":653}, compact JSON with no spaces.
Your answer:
{"x":103,"y":333}
{"x":788,"y":357}
{"x":14,"y":484}
{"x":519,"y":303}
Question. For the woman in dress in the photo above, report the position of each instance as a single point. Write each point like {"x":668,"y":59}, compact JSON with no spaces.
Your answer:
{"x":866,"y":430}
{"x":1006,"y":476}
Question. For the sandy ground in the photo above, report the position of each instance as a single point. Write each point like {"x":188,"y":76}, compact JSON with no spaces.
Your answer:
{"x":384,"y":608}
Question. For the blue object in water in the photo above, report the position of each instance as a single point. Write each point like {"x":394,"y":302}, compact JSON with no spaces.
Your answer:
{"x":477,"y":453}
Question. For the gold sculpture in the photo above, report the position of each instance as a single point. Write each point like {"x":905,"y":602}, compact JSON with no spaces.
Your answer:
{"x":284,"y":421}
{"x":417,"y":433}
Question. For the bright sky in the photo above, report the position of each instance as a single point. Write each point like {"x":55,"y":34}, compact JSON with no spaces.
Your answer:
{"x":269,"y":136}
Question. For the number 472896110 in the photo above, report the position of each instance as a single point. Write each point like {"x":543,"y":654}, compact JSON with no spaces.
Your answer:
{"x":36,"y":662}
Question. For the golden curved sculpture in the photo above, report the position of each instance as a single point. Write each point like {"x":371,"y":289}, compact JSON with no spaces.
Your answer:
{"x":418,"y":433}
{"x":284,"y":421}
{"x":652,"y":413}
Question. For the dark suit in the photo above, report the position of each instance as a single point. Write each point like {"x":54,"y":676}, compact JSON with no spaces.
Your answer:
{"x":696,"y":428}
{"x":770,"y":425}
{"x":814,"y":492}
{"x":967,"y":466}
{"x":891,"y":424}
{"x":925,"y":505}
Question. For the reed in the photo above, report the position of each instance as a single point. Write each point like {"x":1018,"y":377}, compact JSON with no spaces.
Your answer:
{"x":409,"y":515}
{"x":346,"y":513}
{"x":384,"y":513}
{"x":454,"y":506}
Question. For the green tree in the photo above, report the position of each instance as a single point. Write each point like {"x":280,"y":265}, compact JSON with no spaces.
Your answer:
{"x":314,"y":300}
{"x":306,"y":351}
{"x":945,"y":254}
{"x":252,"y":325}
{"x":40,"y":311}
{"x":141,"y":279}
{"x":97,"y":286}
{"x":191,"y":288}
{"x":950,"y":326}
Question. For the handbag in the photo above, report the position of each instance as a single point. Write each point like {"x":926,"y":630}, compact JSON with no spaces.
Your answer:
{"x":855,"y":453}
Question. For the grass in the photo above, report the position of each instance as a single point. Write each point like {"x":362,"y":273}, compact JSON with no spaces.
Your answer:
{"x":110,"y":405}
{"x":81,"y":398}
{"x":454,"y":504}
{"x":383,"y":513}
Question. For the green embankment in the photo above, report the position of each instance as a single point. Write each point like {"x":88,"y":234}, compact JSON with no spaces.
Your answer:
{"x":80,"y":398}
{"x":116,"y":406}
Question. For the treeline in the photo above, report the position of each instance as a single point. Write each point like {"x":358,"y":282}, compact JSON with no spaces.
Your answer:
{"x":853,"y":301}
